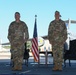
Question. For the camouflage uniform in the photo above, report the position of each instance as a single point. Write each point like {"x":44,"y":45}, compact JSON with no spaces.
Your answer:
{"x":16,"y":36}
{"x":57,"y":35}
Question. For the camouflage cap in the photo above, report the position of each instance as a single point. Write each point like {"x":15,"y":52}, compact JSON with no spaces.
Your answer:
{"x":58,"y":13}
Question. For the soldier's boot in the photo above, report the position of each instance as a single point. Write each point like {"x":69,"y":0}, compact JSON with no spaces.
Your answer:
{"x":20,"y":68}
{"x":60,"y":66}
{"x":55,"y":68}
{"x":15,"y":68}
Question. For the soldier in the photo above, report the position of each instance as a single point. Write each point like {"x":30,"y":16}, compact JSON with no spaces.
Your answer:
{"x":57,"y":35}
{"x":17,"y":35}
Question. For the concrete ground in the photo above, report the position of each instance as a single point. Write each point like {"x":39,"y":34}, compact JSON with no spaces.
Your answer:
{"x":35,"y":69}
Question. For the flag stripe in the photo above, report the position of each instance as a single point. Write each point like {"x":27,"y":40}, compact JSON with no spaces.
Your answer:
{"x":35,"y":47}
{"x":35,"y":50}
{"x":35,"y":44}
{"x":35,"y":56}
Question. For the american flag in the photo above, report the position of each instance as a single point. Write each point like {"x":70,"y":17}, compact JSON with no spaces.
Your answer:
{"x":35,"y":51}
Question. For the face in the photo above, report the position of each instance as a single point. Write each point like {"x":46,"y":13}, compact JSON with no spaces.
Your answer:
{"x":17,"y":17}
{"x":57,"y":16}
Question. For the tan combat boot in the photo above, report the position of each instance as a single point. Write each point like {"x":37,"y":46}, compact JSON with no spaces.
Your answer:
{"x":14,"y":68}
{"x":56,"y":68}
{"x":60,"y":66}
{"x":20,"y":68}
{"x":17,"y":68}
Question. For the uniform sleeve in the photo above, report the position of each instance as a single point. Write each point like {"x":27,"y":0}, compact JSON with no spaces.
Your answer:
{"x":50,"y":33}
{"x":26,"y":33}
{"x":9,"y":33}
{"x":64,"y":32}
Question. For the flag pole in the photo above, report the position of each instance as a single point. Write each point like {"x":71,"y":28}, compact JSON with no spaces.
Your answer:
{"x":35,"y":16}
{"x":35,"y":50}
{"x":37,"y":40}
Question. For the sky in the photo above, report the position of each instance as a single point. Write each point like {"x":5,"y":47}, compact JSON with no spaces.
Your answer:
{"x":44,"y":9}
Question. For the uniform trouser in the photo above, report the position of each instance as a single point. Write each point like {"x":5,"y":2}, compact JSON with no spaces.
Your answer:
{"x":17,"y":53}
{"x":57,"y":54}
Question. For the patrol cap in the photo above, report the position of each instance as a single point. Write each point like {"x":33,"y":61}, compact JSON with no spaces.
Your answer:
{"x":58,"y":13}
{"x":17,"y":13}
